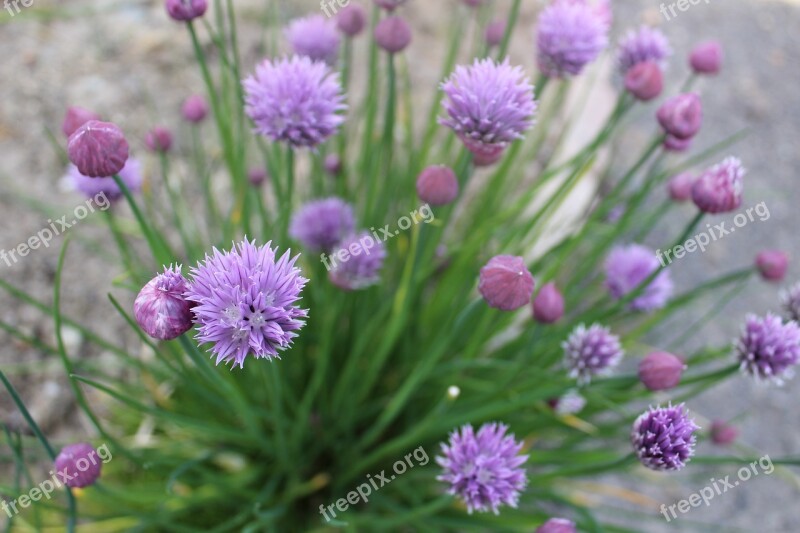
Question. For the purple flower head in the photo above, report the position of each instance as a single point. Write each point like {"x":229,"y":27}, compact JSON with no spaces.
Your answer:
{"x":505,"y":283}
{"x":131,"y":176}
{"x":570,"y":403}
{"x":98,"y":149}
{"x":390,"y":5}
{"x":159,"y":139}
{"x":495,"y":32}
{"x":246,"y":302}
{"x":548,"y":306}
{"x":294,"y":100}
{"x":321,"y":224}
{"x":256,"y":176}
{"x":437,"y":185}
{"x":75,"y":118}
{"x":185,"y":10}
{"x":706,"y":58}
{"x":767,"y":348}
{"x":591,"y":352}
{"x":661,"y":371}
{"x":484,"y":470}
{"x":790,"y":300}
{"x":393,"y":34}
{"x":81,"y":463}
{"x":351,"y":20}
{"x":627,"y":267}
{"x":357,"y":261}
{"x":680,"y":186}
{"x":488,"y":104}
{"x":663,"y":437}
{"x":720,"y":188}
{"x":194,"y":109}
{"x":161,"y":309}
{"x":333,"y":164}
{"x":316,"y":37}
{"x":644,"y":44}
{"x":570,"y":36}
{"x":557,"y":525}
{"x":644,"y":81}
{"x":681,"y":116}
{"x":772,"y":264}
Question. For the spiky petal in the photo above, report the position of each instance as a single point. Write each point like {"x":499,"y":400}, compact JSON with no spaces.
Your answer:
{"x":591,"y":352}
{"x":767,"y":348}
{"x":663,"y":437}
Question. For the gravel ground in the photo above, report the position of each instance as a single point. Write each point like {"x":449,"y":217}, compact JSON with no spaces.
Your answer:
{"x":131,"y":65}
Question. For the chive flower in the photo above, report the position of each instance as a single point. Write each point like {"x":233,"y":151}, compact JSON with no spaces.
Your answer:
{"x":627,"y":267}
{"x":570,"y":35}
{"x":768,"y":348}
{"x":161,"y":309}
{"x":316,"y":37}
{"x":98,"y":149}
{"x":663,"y":437}
{"x":590,"y":352}
{"x":131,"y":176}
{"x":639,"y":46}
{"x":321,"y":224}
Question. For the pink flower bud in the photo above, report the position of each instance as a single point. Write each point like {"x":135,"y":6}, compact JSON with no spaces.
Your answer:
{"x":256,"y":176}
{"x":98,"y":149}
{"x":159,"y":139}
{"x":185,"y":10}
{"x":495,"y":32}
{"x":548,"y":306}
{"x":160,"y":308}
{"x":680,"y":186}
{"x":78,"y":465}
{"x":557,"y":525}
{"x":505,"y":283}
{"x":720,"y":188}
{"x":194,"y":109}
{"x":772,"y":264}
{"x":351,"y":20}
{"x":393,"y":34}
{"x":722,"y":433}
{"x":437,"y":185}
{"x":75,"y":118}
{"x":333,"y":165}
{"x":706,"y":58}
{"x":681,"y":116}
{"x":661,"y":371}
{"x":645,"y":81}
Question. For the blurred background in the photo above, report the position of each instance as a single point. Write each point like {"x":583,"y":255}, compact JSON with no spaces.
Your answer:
{"x":127,"y":61}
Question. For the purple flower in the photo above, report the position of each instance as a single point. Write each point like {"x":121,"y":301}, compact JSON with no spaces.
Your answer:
{"x":720,"y":188}
{"x":495,"y":32}
{"x":768,"y":348}
{"x":357,"y":261}
{"x":790,"y":300}
{"x":131,"y":176}
{"x":681,"y":116}
{"x":557,"y":525}
{"x":488,"y":104}
{"x":185,"y":10}
{"x":680,"y":186}
{"x":81,"y":463}
{"x":570,"y":36}
{"x":351,"y":20}
{"x":256,"y":176}
{"x":161,"y":309}
{"x":601,"y":8}
{"x":644,"y":81}
{"x":246,"y":302}
{"x":75,"y":118}
{"x":663,"y":437}
{"x":437,"y":185}
{"x":644,"y":44}
{"x":393,"y":34}
{"x":570,"y":403}
{"x":484,"y":470}
{"x":548,"y":306}
{"x":627,"y":267}
{"x":722,"y":433}
{"x":194,"y":109}
{"x":322,"y":224}
{"x":98,"y":149}
{"x":591,"y":352}
{"x":772,"y":264}
{"x":295,"y":100}
{"x":661,"y":371}
{"x":706,"y":58}
{"x":315,"y":37}
{"x":333,"y":164}
{"x":159,"y":139}
{"x":505,"y":283}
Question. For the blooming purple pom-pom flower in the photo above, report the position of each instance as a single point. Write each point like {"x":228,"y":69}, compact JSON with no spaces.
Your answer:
{"x":131,"y":176}
{"x":98,"y":149}
{"x":316,"y":37}
{"x":767,"y":348}
{"x":644,"y":44}
{"x":627,"y":267}
{"x":81,"y":464}
{"x":505,"y":283}
{"x":246,"y":302}
{"x":185,"y":10}
{"x":484,"y":469}
{"x":681,"y":116}
{"x":663,"y":437}
{"x":294,"y":100}
{"x":591,"y":352}
{"x":557,"y":525}
{"x":570,"y":36}
{"x":488,"y":104}
{"x":75,"y":118}
{"x":161,"y":309}
{"x":356,"y":262}
{"x":790,"y":300}
{"x":720,"y":188}
{"x":321,"y":224}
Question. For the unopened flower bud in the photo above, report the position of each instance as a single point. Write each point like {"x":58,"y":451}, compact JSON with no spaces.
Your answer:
{"x":98,"y":149}
{"x":80,"y":463}
{"x":661,"y":371}
{"x":186,"y":10}
{"x":194,"y":108}
{"x":548,"y":306}
{"x":393,"y":34}
{"x":645,"y":81}
{"x":161,"y":309}
{"x":437,"y":185}
{"x":772,"y":264}
{"x":159,"y":139}
{"x":706,"y":58}
{"x":75,"y":118}
{"x":681,"y":116}
{"x":506,"y":283}
{"x":722,"y":433}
